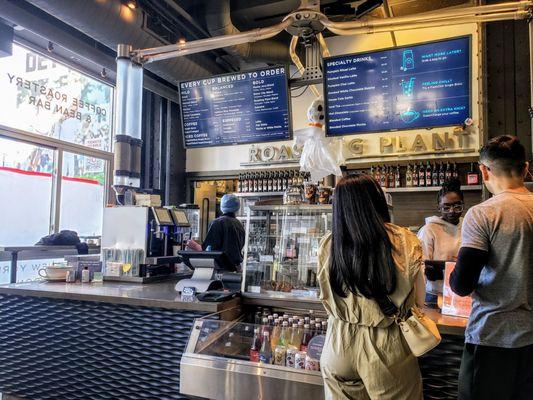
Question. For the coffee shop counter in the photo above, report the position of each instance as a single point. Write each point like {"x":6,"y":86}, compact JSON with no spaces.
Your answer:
{"x":97,"y":340}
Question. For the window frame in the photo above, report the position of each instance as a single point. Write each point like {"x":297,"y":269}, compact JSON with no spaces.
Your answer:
{"x":60,"y":146}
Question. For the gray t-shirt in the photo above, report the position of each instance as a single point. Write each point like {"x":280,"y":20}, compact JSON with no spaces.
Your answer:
{"x":502,"y":311}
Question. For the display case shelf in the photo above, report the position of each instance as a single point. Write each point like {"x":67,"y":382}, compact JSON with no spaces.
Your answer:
{"x":471,"y":188}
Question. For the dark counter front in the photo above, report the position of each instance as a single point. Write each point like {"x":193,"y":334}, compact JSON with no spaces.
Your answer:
{"x":96,"y":341}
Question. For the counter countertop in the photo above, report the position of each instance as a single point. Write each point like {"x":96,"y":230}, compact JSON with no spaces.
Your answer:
{"x":160,"y":294}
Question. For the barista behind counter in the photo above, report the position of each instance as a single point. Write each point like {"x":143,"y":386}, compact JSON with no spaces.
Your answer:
{"x":441,"y":238}
{"x":226,"y":233}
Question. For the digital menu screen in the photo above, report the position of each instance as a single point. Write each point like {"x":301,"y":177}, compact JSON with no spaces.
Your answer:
{"x":244,"y":107}
{"x":420,"y":86}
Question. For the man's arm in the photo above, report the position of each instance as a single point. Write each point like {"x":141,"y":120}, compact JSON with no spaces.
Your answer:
{"x":465,"y":276}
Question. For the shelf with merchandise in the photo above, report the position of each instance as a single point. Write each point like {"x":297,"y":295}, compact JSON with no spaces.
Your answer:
{"x":421,"y":189}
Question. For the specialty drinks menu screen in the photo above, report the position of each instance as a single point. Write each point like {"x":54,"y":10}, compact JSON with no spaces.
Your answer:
{"x":418,"y":86}
{"x":245,"y":107}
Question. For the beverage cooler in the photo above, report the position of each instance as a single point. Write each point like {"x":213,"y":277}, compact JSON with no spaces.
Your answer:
{"x":272,"y":349}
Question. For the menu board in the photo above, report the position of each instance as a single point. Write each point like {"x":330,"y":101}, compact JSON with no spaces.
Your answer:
{"x":409,"y":87}
{"x":245,"y":107}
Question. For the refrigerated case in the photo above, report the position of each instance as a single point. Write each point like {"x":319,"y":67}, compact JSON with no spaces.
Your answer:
{"x":216,"y":365}
{"x":281,"y":249}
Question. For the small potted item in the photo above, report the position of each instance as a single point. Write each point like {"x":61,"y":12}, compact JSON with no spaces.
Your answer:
{"x":324,"y":195}
{"x":310,"y":190}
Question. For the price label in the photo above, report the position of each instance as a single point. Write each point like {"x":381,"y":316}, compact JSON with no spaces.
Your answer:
{"x":266,"y":258}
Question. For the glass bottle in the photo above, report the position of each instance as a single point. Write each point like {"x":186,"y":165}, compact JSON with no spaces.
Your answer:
{"x":416,"y":182}
{"x":397,"y":177}
{"x":265,"y":354}
{"x":472,"y":177}
{"x":409,"y":176}
{"x":435,"y":175}
{"x":383,"y":182}
{"x":306,"y":337}
{"x":377,"y":175}
{"x":455,"y":172}
{"x":284,"y":336}
{"x":276,"y":331}
{"x":442,"y":177}
{"x":296,"y":336}
{"x":270,"y":181}
{"x":372,"y":172}
{"x":448,"y":173}
{"x":421,"y":175}
{"x":429,"y":175}
{"x":256,"y":346}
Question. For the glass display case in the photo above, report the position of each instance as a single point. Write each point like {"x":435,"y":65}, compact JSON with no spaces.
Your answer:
{"x":229,"y":360}
{"x":281,"y":249}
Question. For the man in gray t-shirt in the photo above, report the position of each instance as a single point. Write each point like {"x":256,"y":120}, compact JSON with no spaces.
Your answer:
{"x":495,"y":264}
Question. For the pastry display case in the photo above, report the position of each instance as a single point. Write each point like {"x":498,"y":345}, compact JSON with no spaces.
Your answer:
{"x":281,"y":249}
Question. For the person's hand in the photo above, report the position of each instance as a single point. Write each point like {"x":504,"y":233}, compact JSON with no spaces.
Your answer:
{"x":191,"y":244}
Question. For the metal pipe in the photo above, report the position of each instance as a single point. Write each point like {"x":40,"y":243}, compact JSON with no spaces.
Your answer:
{"x":214,"y":42}
{"x":459,"y":12}
{"x":296,"y":60}
{"x":530,"y":27}
{"x":433,"y":23}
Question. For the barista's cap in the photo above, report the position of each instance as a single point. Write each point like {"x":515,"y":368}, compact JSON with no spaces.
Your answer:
{"x":230,"y":203}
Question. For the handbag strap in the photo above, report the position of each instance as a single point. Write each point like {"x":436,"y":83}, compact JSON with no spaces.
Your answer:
{"x":387,"y":306}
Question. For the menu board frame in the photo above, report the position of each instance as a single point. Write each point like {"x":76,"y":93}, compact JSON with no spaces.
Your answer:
{"x":363,"y":53}
{"x":289,"y":108}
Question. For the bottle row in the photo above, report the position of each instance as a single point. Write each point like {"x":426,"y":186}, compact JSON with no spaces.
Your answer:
{"x":276,"y":342}
{"x":420,"y":175}
{"x":270,"y":181}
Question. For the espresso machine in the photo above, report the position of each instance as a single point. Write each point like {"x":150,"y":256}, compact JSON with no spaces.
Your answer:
{"x":141,"y":244}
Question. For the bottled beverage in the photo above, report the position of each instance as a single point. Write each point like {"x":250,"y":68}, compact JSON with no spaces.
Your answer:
{"x":306,"y":337}
{"x":276,"y":331}
{"x":442,"y":177}
{"x":262,"y":182}
{"x":239,"y":183}
{"x":372,"y":172}
{"x":258,"y":318}
{"x":397,"y":177}
{"x":472,"y":177}
{"x":415,"y":176}
{"x":409,"y":176}
{"x":265,"y":354}
{"x":285,"y":181}
{"x":448,"y":173}
{"x":383,"y":182}
{"x":296,"y":337}
{"x":253,"y":182}
{"x":390,"y":177}
{"x":270,"y":320}
{"x":256,"y":346}
{"x":435,"y":175}
{"x":280,"y":355}
{"x":318,"y":328}
{"x":324,"y":326}
{"x":275,"y":316}
{"x":455,"y":172}
{"x":275,"y":175}
{"x":284,"y":334}
{"x":421,"y":175}
{"x":270,"y":182}
{"x":429,"y":175}
{"x":377,"y":175}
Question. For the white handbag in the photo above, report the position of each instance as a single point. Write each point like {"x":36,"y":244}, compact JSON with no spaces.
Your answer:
{"x":419,"y":331}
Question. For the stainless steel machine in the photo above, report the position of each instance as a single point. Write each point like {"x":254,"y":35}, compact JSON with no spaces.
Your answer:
{"x":140,"y":244}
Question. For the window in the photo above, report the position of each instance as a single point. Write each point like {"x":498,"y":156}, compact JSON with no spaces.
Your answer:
{"x":82,"y":194}
{"x":40,"y":95}
{"x":56,"y":137}
{"x":26,"y":201}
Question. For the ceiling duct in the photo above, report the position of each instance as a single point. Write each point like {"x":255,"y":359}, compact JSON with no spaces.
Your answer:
{"x":111,"y":23}
{"x":218,"y":21}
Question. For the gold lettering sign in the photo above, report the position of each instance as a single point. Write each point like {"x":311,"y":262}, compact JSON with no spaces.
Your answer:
{"x":418,"y":144}
{"x":356,"y":146}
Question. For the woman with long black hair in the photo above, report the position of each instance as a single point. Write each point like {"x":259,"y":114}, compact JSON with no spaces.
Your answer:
{"x":363,"y":260}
